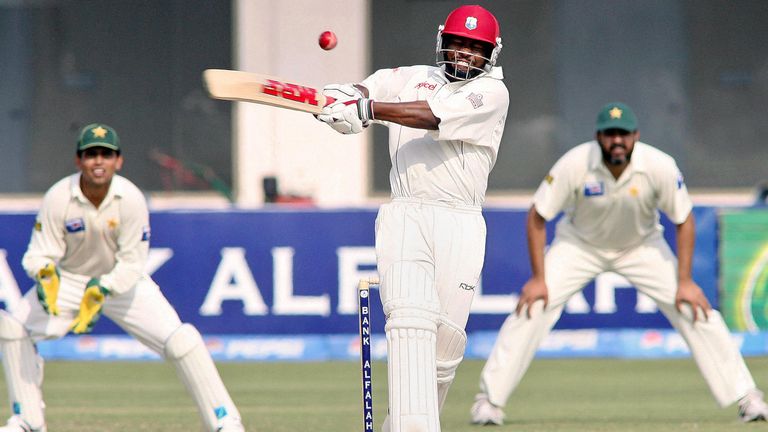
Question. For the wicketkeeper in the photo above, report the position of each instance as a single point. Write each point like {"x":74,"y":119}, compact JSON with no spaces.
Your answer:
{"x":87,"y":256}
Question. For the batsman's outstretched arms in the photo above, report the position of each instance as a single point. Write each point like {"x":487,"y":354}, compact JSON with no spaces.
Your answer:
{"x":535,"y":288}
{"x":90,"y":307}
{"x":352,"y":111}
{"x":47,"y":282}
{"x":688,"y":291}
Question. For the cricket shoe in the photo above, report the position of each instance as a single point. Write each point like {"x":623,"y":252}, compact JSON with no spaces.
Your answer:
{"x":485,"y":413}
{"x":752,"y":407}
{"x":16,"y":424}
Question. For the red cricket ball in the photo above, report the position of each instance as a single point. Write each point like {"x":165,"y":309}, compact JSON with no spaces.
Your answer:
{"x":327,"y":40}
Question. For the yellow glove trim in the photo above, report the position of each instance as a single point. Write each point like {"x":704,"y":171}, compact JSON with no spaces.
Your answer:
{"x":47,"y":283}
{"x":90,"y":307}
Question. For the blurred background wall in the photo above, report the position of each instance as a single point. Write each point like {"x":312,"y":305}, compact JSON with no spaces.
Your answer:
{"x":694,"y":71}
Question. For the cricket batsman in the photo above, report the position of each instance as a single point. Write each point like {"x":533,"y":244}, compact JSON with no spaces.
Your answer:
{"x":445,"y":127}
{"x":87,"y":256}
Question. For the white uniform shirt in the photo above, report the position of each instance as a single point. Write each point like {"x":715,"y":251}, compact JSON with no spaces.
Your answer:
{"x":613,"y":213}
{"x":450,"y":164}
{"x":110,"y":243}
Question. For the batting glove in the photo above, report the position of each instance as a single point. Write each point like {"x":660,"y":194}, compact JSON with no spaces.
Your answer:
{"x":342,"y":93}
{"x":90,"y":307}
{"x":349,"y":117}
{"x":47,"y":282}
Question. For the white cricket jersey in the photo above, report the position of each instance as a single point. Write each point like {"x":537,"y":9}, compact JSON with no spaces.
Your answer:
{"x":110,"y":242}
{"x":613,"y":213}
{"x":450,"y":164}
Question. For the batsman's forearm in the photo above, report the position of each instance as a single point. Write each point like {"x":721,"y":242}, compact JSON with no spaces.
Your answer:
{"x":417,"y":114}
{"x":537,"y":241}
{"x":686,"y":239}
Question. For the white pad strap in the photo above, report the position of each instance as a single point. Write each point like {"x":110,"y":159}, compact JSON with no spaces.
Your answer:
{"x":451,"y":342}
{"x":23,"y":369}
{"x":186,"y":350}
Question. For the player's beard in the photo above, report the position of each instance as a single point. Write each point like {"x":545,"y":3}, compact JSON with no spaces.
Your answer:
{"x":615,"y":160}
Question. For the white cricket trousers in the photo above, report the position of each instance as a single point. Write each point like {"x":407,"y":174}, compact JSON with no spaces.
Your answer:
{"x":652,"y":268}
{"x":429,"y":258}
{"x":143,"y":312}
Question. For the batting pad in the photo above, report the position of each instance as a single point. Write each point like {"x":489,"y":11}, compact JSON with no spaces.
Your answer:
{"x":23,"y":369}
{"x":186,"y":350}
{"x":411,"y":366}
{"x":451,"y":342}
{"x":410,"y":302}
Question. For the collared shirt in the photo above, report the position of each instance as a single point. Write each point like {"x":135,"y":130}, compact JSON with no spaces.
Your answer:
{"x":450,"y":164}
{"x":110,"y":242}
{"x":607,"y":212}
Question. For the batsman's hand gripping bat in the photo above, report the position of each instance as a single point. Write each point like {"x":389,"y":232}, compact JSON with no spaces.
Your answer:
{"x":264,"y":89}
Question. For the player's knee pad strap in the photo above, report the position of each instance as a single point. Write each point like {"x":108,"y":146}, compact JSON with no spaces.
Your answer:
{"x":10,"y":328}
{"x":451,"y":342}
{"x":182,"y":341}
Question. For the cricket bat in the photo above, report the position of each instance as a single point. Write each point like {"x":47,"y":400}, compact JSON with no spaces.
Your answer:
{"x":263,"y":89}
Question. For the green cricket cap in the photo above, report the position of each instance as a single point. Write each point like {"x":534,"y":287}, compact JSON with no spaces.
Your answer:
{"x":98,"y":135}
{"x":616,"y":115}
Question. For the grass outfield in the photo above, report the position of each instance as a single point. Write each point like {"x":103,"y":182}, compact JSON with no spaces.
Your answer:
{"x":556,"y":395}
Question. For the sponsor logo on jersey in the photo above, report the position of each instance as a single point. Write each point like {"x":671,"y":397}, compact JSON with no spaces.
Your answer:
{"x":594,"y":188}
{"x":426,"y":85}
{"x":146,"y":233}
{"x":476,"y":100}
{"x":471,"y":23}
{"x":75,"y":225}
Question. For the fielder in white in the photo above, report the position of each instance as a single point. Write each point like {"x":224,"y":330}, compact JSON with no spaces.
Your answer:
{"x":445,"y":125}
{"x":87,"y":255}
{"x":611,"y":190}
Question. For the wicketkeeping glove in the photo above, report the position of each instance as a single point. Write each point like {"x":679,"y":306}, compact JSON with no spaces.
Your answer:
{"x":47,"y":283}
{"x":90,"y":307}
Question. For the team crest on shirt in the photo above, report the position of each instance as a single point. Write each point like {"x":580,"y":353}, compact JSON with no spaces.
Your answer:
{"x":38,"y":226}
{"x":680,"y":181}
{"x":476,"y":100}
{"x":74,"y":225}
{"x":549,"y":179}
{"x":594,"y":188}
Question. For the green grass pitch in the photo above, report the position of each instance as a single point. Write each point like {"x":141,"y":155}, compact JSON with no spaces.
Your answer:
{"x":555,"y":395}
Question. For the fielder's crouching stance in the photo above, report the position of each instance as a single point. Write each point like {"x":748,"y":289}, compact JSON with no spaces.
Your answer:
{"x":87,"y":255}
{"x":445,"y":126}
{"x":611,"y":190}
